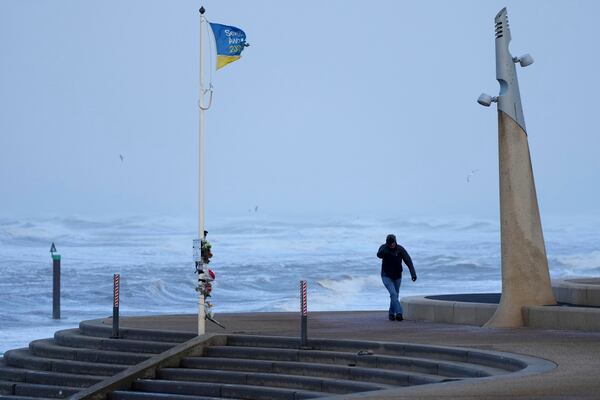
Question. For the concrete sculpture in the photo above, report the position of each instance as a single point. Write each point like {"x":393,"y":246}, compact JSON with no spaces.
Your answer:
{"x":525,"y":275}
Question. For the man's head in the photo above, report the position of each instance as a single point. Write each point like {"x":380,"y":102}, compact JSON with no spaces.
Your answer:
{"x":390,"y":240}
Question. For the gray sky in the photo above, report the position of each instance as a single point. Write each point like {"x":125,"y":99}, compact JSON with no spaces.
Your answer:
{"x":338,"y":107}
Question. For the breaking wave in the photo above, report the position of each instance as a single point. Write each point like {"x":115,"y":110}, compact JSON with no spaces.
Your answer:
{"x":258,"y":261}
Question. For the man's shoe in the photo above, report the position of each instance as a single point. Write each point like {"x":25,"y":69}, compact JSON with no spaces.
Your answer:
{"x":399,"y":317}
{"x":391,"y":317}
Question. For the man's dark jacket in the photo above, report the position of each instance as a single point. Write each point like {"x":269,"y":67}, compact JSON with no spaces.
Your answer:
{"x":391,"y":261}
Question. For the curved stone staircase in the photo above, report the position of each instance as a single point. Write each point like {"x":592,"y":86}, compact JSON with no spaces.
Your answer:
{"x":75,"y":359}
{"x":234,"y":366}
{"x":277,"y":368}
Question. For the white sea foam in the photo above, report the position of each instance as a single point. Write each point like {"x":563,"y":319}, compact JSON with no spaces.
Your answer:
{"x":258,"y":261}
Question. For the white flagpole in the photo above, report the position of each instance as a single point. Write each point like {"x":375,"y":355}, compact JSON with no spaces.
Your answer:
{"x":201,"y":152}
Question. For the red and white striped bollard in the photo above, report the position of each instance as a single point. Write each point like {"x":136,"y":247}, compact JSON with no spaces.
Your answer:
{"x":304,"y":314}
{"x":116,"y":285}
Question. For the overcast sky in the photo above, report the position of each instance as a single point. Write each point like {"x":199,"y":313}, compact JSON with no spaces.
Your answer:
{"x":337,"y":107}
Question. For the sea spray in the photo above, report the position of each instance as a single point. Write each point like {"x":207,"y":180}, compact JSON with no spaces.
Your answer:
{"x":259,"y":261}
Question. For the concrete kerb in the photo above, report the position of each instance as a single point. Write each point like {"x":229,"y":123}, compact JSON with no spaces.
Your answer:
{"x":585,"y":318}
{"x":419,"y":308}
{"x":577,"y":291}
{"x":148,"y":369}
{"x":572,"y":318}
{"x":557,"y":317}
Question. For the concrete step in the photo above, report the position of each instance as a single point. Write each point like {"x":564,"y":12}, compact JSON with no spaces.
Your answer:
{"x":62,"y":379}
{"x":253,"y":353}
{"x":269,"y":380}
{"x":7,"y":387}
{"x":228,"y":364}
{"x":36,"y":391}
{"x":98,"y":329}
{"x":391,"y":349}
{"x":497,"y":362}
{"x":12,"y":374}
{"x":450,"y":369}
{"x":74,"y":338}
{"x":47,"y":377}
{"x":47,"y":348}
{"x":280,"y":342}
{"x":22,"y":358}
{"x":123,"y":395}
{"x":480,"y":359}
{"x":223,"y":390}
{"x":371,"y":375}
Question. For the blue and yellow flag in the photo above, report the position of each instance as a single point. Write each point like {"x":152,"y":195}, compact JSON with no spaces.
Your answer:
{"x":230,"y":43}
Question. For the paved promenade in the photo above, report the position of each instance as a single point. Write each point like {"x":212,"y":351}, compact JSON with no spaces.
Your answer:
{"x":577,"y":354}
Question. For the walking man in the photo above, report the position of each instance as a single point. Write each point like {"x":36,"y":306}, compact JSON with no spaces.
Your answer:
{"x":392,"y":255}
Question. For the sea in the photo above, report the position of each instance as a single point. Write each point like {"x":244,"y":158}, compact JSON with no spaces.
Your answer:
{"x":258,"y":261}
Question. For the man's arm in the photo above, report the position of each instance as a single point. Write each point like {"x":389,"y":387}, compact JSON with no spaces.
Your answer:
{"x":408,"y":261}
{"x":382,"y":250}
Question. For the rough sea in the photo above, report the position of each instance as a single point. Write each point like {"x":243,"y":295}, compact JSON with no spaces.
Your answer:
{"x":258,"y":261}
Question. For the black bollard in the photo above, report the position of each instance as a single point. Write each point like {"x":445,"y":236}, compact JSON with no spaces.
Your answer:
{"x":56,"y":286}
{"x":55,"y":282}
{"x":115,"y":319}
{"x":304,"y":315}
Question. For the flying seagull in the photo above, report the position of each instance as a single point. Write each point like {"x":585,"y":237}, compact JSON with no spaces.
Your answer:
{"x":121,"y":157}
{"x":471,"y":174}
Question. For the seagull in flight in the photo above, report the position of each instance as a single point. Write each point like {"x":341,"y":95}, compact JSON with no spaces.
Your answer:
{"x":121,"y":157}
{"x":471,"y":174}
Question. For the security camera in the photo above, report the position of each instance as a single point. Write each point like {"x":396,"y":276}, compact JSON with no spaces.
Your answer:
{"x":486,"y":100}
{"x":525,"y":60}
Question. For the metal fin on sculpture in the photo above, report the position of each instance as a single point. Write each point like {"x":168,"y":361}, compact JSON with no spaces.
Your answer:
{"x":509,"y":99}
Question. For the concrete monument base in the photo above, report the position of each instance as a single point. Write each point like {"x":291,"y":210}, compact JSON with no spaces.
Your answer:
{"x":525,"y":276}
{"x":578,"y":310}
